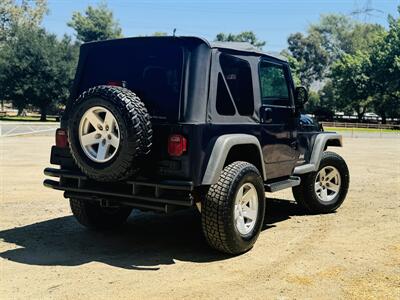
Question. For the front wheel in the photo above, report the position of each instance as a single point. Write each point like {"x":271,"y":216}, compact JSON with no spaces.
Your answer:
{"x":325,"y":190}
{"x":233,"y":209}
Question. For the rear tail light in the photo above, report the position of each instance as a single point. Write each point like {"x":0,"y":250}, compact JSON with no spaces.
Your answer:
{"x":177,"y":145}
{"x":61,"y":138}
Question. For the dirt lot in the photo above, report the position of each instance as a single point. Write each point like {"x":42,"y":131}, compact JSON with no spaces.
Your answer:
{"x":353,"y":254}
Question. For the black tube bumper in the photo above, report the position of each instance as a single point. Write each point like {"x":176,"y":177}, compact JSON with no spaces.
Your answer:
{"x":165,"y":195}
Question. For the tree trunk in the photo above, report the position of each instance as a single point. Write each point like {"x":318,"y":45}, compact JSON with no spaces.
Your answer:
{"x":360,"y":113}
{"x":20,"y":111}
{"x":43,"y":113}
{"x":360,"y":116}
{"x":383,"y":116}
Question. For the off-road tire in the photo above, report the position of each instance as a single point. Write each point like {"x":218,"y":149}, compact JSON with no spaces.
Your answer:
{"x":135,"y":132}
{"x":91,"y":215}
{"x":217,"y":212}
{"x":305,"y":195}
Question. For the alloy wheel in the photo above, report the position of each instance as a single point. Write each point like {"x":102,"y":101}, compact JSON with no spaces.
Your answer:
{"x":246,"y":208}
{"x":99,"y":134}
{"x":327,"y":184}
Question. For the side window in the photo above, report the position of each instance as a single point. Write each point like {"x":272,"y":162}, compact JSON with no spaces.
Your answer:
{"x":224,"y":103}
{"x":274,"y":88}
{"x":237,"y":75}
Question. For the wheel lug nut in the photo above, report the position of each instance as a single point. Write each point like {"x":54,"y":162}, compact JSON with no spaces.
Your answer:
{"x":97,"y":136}
{"x":100,"y":127}
{"x":109,"y":136}
{"x":107,"y":127}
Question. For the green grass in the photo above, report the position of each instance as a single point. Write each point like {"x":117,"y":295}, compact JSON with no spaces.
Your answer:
{"x":26,"y":119}
{"x":370,"y":130}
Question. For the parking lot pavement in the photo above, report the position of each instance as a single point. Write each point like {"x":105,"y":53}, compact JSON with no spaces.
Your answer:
{"x":8,"y":129}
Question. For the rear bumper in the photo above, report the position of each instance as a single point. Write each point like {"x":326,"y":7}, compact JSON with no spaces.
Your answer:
{"x":164,"y":195}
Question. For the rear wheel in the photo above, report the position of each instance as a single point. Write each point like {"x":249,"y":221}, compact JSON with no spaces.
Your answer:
{"x":325,"y":190}
{"x":233,"y":209}
{"x":90,"y":214}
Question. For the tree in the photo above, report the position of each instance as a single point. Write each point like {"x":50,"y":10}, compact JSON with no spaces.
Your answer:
{"x":311,"y":57}
{"x":322,"y":103}
{"x":21,"y":13}
{"x":96,"y":24}
{"x":245,"y":36}
{"x":13,"y":14}
{"x":340,"y":34}
{"x":37,"y":68}
{"x":363,"y":36}
{"x":294,"y":67}
{"x":351,"y":83}
{"x":385,"y":72}
{"x":326,"y":41}
{"x":312,"y":103}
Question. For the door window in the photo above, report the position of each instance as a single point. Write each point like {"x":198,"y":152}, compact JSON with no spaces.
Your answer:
{"x":274,"y":88}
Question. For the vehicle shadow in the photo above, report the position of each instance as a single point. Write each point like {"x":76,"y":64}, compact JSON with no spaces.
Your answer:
{"x":146,"y":242}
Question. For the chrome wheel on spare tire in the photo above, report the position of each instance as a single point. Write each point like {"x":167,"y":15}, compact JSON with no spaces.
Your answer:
{"x":109,"y":133}
{"x":99,"y":134}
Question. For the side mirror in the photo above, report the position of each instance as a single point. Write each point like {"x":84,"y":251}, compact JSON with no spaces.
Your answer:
{"x":301,"y":96}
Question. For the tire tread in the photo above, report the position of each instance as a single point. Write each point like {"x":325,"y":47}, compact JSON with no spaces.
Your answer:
{"x":135,"y":114}
{"x":216,"y":212}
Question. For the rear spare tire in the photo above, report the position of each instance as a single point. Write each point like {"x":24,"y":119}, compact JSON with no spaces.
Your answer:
{"x":109,"y":132}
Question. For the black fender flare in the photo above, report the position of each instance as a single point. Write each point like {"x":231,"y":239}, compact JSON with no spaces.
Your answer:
{"x":220,"y":152}
{"x":322,"y":141}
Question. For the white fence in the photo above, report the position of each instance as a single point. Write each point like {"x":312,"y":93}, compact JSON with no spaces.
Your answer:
{"x":360,"y":125}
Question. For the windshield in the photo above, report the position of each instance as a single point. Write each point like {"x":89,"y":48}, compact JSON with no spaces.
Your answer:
{"x":152,"y":68}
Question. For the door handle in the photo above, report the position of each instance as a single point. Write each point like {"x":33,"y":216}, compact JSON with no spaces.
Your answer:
{"x":266,"y":116}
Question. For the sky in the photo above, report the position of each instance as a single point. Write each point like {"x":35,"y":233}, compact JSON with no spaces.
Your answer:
{"x":272,"y":21}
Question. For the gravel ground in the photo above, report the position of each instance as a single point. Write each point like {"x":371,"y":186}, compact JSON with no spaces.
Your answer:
{"x":351,"y":254}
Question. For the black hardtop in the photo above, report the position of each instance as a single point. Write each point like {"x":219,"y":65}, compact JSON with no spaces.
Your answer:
{"x":100,"y":59}
{"x":239,"y":47}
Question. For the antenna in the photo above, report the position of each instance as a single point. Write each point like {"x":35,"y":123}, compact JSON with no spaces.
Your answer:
{"x":173,"y":32}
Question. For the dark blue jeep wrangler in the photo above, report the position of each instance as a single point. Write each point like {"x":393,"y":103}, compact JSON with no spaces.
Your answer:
{"x":164,"y":123}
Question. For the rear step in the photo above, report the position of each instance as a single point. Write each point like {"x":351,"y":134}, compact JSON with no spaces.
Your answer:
{"x":281,"y":185}
{"x":165,"y":195}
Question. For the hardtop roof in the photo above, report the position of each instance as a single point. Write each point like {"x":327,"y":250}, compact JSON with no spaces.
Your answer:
{"x":243,"y":47}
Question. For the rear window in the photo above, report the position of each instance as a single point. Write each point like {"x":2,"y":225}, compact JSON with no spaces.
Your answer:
{"x":151,"y":68}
